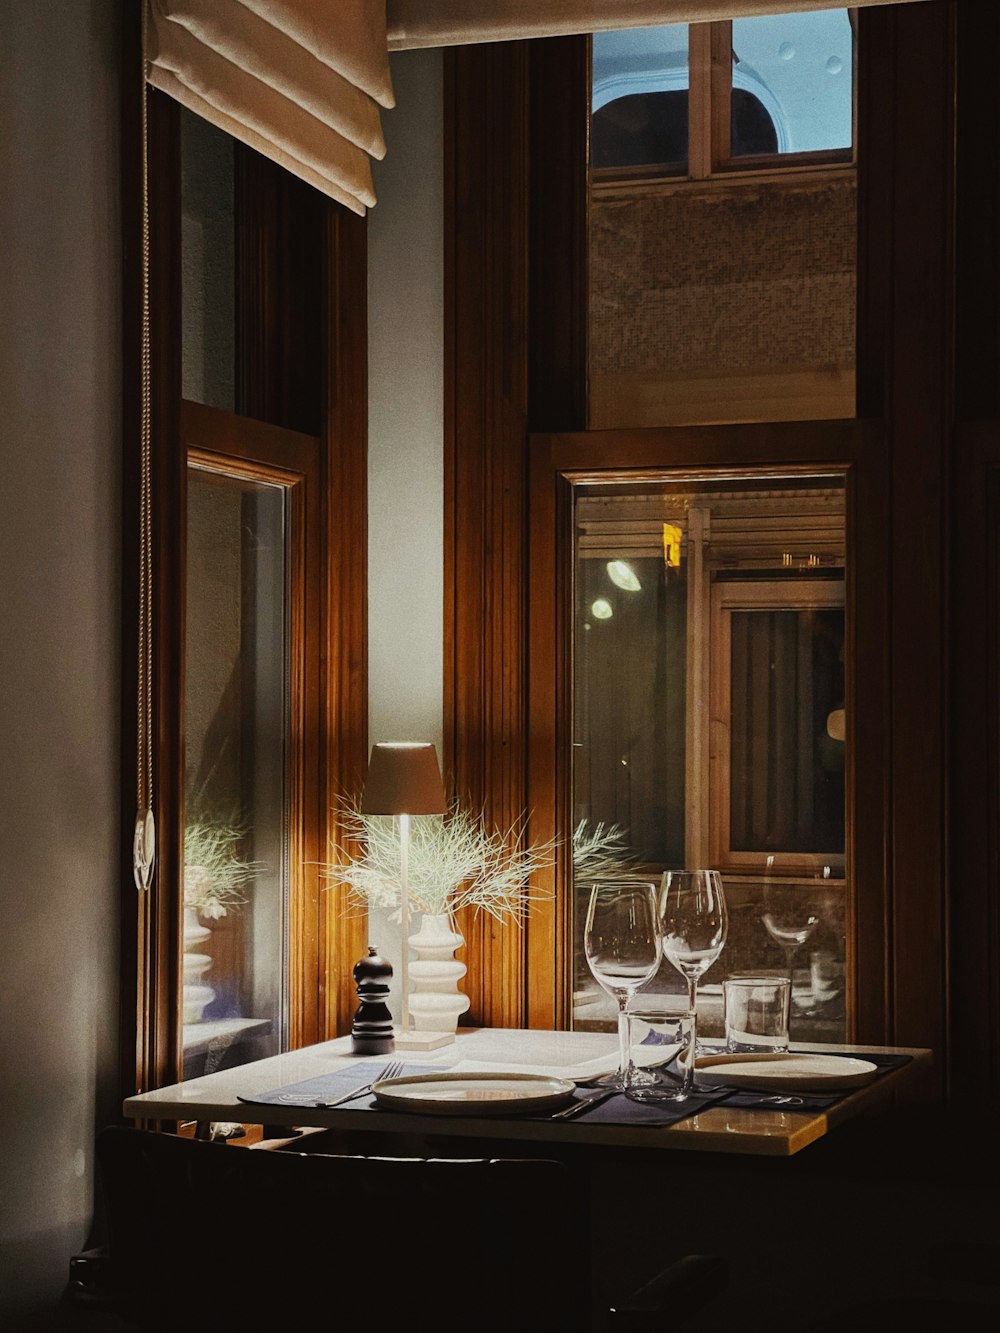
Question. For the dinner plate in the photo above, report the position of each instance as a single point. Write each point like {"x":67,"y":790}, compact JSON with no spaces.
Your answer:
{"x":787,"y":1072}
{"x":474,"y":1094}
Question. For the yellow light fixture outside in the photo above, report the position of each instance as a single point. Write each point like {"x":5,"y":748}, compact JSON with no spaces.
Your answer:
{"x":672,"y":545}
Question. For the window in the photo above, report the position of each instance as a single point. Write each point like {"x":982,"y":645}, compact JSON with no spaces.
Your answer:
{"x":723,"y":223}
{"x":757,"y":94}
{"x":708,"y":718}
{"x":258,"y":386}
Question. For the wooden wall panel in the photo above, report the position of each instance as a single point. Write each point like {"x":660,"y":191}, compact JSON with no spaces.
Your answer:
{"x":515,"y":169}
{"x":344,"y":657}
{"x":975,"y":772}
{"x":486,"y":396}
{"x":906,"y":166}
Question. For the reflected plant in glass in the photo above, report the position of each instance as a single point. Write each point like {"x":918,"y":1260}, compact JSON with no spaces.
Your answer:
{"x":215,"y":875}
{"x":623,"y":950}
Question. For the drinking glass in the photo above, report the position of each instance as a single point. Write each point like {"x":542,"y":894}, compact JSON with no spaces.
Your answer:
{"x":693,"y":925}
{"x":790,"y":915}
{"x":622,"y":943}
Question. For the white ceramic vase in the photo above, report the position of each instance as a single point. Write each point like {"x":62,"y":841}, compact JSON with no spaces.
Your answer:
{"x":197,"y":995}
{"x":436,"y":1003}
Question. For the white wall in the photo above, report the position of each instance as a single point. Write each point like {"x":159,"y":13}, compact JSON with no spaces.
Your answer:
{"x":405,"y":466}
{"x":59,"y":633}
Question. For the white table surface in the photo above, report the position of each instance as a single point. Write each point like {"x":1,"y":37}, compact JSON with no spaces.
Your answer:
{"x":215,"y":1097}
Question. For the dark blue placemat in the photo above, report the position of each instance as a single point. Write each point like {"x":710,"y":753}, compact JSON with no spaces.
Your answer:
{"x":621,"y":1110}
{"x":617,"y":1110}
{"x":312,"y":1092}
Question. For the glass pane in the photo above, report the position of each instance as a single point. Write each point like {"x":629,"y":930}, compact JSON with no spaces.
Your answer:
{"x":208,"y":300}
{"x":709,"y":689}
{"x":236,"y":727}
{"x":786,"y":789}
{"x":726,"y":299}
{"x":640,"y":98}
{"x":792,"y":77}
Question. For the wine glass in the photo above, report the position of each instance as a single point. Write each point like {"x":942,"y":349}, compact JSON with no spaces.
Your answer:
{"x":693,"y":925}
{"x":622,"y":944}
{"x":789,"y":915}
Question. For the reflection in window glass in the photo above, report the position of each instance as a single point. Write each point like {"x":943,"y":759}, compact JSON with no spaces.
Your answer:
{"x":797,"y":70}
{"x":236,"y":727}
{"x":208,"y":263}
{"x":709,"y":707}
{"x":640,"y":98}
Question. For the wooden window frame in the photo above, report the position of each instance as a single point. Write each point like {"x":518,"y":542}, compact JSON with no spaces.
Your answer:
{"x":854,"y":449}
{"x":727,"y":598}
{"x":240,"y":447}
{"x":334,"y":704}
{"x":710,"y":158}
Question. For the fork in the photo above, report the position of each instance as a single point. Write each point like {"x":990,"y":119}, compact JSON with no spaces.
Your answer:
{"x":392,"y":1070}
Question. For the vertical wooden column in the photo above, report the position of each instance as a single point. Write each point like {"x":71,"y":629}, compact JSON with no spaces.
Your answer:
{"x":905,"y":371}
{"x":515,"y":357}
{"x":344,"y":684}
{"x":974,"y":918}
{"x":486,"y":403}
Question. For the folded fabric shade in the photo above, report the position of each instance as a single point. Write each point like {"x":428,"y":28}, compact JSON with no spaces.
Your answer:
{"x":415,"y":23}
{"x":300,"y":81}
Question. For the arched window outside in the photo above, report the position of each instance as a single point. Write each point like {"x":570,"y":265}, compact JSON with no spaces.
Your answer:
{"x":719,"y":98}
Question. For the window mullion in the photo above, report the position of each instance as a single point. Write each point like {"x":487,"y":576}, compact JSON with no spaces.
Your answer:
{"x":700,"y":101}
{"x":721,"y":92}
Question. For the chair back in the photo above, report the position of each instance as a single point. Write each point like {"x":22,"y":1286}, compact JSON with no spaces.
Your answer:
{"x":209,"y":1235}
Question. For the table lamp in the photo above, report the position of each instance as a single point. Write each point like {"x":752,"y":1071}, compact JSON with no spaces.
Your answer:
{"x":403,"y":780}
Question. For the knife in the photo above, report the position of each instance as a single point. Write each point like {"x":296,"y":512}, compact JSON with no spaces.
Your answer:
{"x":584,"y":1104}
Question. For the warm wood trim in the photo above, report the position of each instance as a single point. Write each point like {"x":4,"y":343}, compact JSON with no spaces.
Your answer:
{"x":977,"y":248}
{"x":515,"y":351}
{"x":241,"y":447}
{"x":975,"y":769}
{"x":301,"y":321}
{"x":160,"y":931}
{"x":254,"y":445}
{"x":345,"y":651}
{"x":280,"y":233}
{"x":133,"y":980}
{"x":905,"y":365}
{"x":721,"y":77}
{"x":851,"y":447}
{"x":701,"y":112}
{"x":486,"y":392}
{"x":655,"y":399}
{"x":613,"y":183}
{"x":559,"y":75}
{"x":778,"y":594}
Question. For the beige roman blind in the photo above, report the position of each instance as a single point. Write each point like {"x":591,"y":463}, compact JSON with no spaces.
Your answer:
{"x":413,"y":23}
{"x":300,"y":81}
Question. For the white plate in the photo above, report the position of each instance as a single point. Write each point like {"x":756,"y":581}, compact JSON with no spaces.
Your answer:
{"x":789,"y":1072}
{"x":474,"y":1094}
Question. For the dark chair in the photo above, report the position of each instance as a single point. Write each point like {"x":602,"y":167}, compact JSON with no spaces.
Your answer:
{"x":208,"y":1236}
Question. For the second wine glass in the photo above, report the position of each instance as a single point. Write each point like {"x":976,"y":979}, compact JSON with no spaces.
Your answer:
{"x":694,"y":922}
{"x":622,"y":944}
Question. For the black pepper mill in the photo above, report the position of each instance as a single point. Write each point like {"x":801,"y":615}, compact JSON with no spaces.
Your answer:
{"x":371,"y":1029}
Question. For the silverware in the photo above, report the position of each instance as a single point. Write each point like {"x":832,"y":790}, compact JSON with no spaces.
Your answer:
{"x":392,"y":1069}
{"x":584,"y":1104}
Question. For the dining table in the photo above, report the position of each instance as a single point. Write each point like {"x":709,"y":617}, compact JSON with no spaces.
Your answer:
{"x":285,"y":1093}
